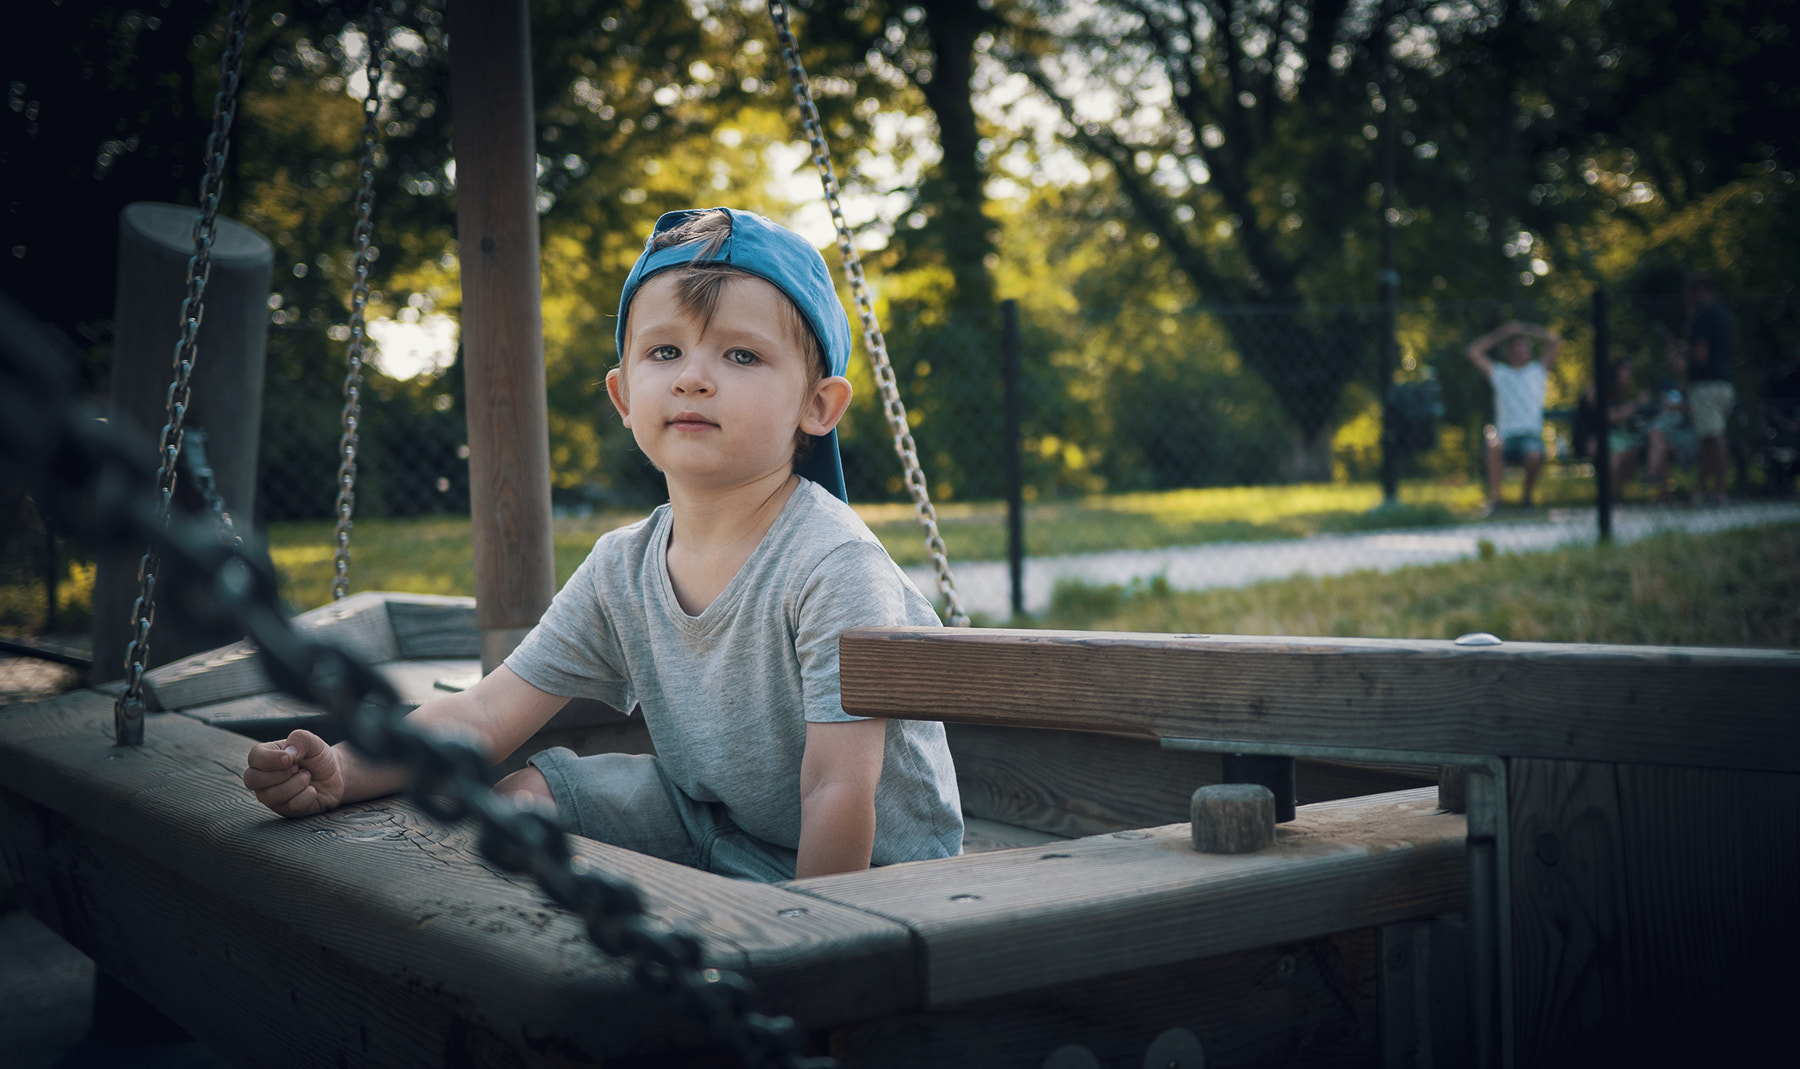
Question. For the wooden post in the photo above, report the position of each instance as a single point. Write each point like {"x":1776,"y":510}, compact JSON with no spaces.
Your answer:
{"x":1232,"y":818}
{"x":502,"y":321}
{"x":155,"y":243}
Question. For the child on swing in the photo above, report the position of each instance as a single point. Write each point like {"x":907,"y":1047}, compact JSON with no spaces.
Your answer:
{"x":719,"y":614}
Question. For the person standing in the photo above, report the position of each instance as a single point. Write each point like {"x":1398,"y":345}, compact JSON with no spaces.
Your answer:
{"x":1707,"y":355}
{"x":1519,"y":380}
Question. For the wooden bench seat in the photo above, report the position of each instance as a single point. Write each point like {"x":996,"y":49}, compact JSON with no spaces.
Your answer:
{"x":398,"y":945}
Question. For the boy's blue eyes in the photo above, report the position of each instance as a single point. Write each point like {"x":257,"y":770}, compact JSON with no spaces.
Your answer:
{"x":743,"y":357}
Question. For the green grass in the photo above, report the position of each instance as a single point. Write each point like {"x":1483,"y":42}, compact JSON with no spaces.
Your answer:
{"x":1512,"y":596}
{"x":1169,"y":518}
{"x":1739,"y":589}
{"x":433,"y":555}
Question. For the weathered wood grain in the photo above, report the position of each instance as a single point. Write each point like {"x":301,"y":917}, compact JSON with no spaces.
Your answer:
{"x":1303,"y":1004}
{"x":1647,"y":705}
{"x":377,"y":626}
{"x":1233,"y":818}
{"x":358,"y":623}
{"x":1653,"y":912}
{"x":1012,"y":920}
{"x":272,"y":715}
{"x":131,"y":851}
{"x":429,"y":627}
{"x":1070,"y":783}
{"x":502,"y":320}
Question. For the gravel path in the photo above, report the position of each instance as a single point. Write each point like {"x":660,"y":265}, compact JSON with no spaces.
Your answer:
{"x":985,"y":587}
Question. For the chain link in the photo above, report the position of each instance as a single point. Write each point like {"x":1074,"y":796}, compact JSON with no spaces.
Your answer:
{"x":892,"y":406}
{"x":359,"y":299}
{"x":97,"y":485}
{"x":200,"y":471}
{"x":128,"y":710}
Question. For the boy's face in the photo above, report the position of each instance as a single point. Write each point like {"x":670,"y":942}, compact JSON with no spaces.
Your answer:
{"x":716,"y":404}
{"x":1518,"y":351}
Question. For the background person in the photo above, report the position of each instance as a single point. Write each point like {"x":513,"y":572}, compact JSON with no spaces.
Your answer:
{"x":1519,"y":380}
{"x":1707,"y":354}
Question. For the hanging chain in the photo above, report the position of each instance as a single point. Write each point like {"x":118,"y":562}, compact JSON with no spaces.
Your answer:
{"x":894,"y":408}
{"x":96,"y":483}
{"x":128,"y":711}
{"x":193,"y":454}
{"x":359,"y":299}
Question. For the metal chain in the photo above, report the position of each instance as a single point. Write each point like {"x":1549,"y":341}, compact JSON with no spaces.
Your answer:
{"x":128,"y":710}
{"x":96,"y":484}
{"x":200,"y":470}
{"x":359,"y":299}
{"x":892,"y":406}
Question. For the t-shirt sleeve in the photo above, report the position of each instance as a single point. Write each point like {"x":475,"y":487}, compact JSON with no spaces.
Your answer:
{"x":856,"y":585}
{"x":574,"y":649}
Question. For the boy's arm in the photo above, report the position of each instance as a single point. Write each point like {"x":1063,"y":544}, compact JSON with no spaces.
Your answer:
{"x":838,"y":775}
{"x":300,"y":775}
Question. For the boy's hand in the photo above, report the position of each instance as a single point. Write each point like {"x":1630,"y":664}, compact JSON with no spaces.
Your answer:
{"x":297,"y":776}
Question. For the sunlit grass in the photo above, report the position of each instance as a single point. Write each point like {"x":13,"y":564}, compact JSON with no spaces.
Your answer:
{"x":1741,"y":588}
{"x":433,"y":555}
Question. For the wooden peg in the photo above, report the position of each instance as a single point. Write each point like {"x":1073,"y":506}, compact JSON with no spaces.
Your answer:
{"x":1233,"y":818}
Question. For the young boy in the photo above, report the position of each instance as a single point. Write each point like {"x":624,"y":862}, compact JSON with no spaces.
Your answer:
{"x":1518,"y":434}
{"x":718,"y":615}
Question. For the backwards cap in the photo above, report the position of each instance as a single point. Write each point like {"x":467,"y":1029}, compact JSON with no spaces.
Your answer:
{"x":783,"y":259}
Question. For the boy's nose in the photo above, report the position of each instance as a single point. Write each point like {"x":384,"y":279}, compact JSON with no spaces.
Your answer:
{"x":693,"y":379}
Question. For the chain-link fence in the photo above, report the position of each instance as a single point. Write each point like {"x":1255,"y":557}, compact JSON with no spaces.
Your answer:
{"x":1136,"y":399}
{"x":1112,"y":401}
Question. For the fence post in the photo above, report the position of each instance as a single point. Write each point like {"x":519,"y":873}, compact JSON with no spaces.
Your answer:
{"x":155,"y":242}
{"x":1015,"y":474}
{"x":1390,"y":278}
{"x":1603,"y":480}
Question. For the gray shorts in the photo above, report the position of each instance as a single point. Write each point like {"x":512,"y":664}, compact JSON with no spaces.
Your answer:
{"x":627,"y":800}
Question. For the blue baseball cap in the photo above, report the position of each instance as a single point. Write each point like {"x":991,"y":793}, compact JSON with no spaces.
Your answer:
{"x":783,"y":259}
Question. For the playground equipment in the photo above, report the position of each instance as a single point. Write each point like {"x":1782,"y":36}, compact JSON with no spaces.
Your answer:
{"x":1622,"y":882}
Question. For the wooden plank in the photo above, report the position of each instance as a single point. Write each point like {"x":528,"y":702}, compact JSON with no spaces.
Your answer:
{"x":1016,"y":920}
{"x":1653,"y":912}
{"x":1069,"y":783}
{"x":272,"y":715}
{"x":1641,"y":704}
{"x":429,"y":626}
{"x":1306,"y":1004}
{"x":358,"y":623}
{"x":157,"y":863}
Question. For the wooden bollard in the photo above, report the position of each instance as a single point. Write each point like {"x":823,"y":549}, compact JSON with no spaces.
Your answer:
{"x":1233,"y":818}
{"x":155,"y":243}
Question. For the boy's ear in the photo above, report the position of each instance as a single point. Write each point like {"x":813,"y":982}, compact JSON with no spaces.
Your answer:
{"x":829,"y":401}
{"x":615,"y":389}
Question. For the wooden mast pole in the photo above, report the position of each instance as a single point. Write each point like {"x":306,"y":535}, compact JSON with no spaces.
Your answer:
{"x":502,"y":321}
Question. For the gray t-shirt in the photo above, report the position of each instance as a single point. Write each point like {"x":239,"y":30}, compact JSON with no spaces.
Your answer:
{"x":726,"y":695}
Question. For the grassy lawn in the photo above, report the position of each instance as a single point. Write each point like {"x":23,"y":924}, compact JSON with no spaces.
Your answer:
{"x":1740,"y":588}
{"x":1523,"y":597}
{"x":431,"y":555}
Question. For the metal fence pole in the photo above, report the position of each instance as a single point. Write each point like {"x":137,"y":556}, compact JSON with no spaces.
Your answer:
{"x":1390,"y":278}
{"x":1603,"y":480}
{"x":1015,"y":475}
